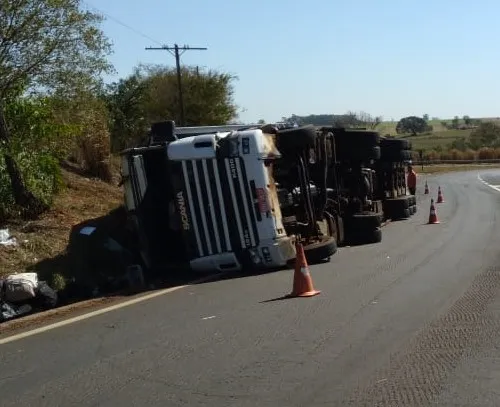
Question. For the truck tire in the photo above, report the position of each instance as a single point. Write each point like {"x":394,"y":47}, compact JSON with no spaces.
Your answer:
{"x":395,"y":144}
{"x":361,"y":154}
{"x":374,"y":237}
{"x":296,"y":139}
{"x":319,"y":251}
{"x":357,"y":139}
{"x":367,"y":236}
{"x":397,"y":208}
{"x":364,"y":221}
{"x":395,"y":155}
{"x":357,"y":145}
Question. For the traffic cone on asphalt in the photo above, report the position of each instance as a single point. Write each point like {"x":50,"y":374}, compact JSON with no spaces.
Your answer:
{"x":302,"y":281}
{"x":433,"y":218}
{"x":440,"y":196}
{"x":426,"y":188}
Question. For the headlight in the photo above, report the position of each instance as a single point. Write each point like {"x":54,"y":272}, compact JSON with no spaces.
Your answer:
{"x":255,"y":257}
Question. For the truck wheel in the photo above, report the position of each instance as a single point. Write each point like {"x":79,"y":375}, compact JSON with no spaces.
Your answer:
{"x":414,"y":209}
{"x":361,"y":154}
{"x":356,"y":138}
{"x":374,"y":236}
{"x":364,"y":221}
{"x":395,"y":144}
{"x":367,"y":236}
{"x":357,"y":145}
{"x":318,"y":251}
{"x":397,"y":208}
{"x":296,"y":139}
{"x":395,"y":156}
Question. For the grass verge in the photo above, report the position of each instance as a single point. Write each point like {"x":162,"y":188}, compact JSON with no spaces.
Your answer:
{"x":46,"y":238}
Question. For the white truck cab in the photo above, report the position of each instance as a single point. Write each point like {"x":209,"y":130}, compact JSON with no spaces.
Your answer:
{"x":221,"y":184}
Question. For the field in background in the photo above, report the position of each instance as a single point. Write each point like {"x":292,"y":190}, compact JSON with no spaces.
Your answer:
{"x":440,"y":137}
{"x":442,"y":168}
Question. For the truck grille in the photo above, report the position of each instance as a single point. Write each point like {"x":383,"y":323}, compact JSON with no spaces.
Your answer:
{"x":221,"y":205}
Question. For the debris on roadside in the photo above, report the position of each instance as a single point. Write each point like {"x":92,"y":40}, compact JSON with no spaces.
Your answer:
{"x":6,"y":239}
{"x":23,"y":293}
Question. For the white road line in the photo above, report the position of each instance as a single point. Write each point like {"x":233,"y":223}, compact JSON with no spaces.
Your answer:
{"x":495,"y":187}
{"x":92,"y":314}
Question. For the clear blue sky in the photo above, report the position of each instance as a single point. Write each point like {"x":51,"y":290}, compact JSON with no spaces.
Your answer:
{"x":387,"y":57}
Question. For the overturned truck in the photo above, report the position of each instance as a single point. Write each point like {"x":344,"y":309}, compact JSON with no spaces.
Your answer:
{"x":224,"y":198}
{"x":391,"y":175}
{"x":366,"y":182}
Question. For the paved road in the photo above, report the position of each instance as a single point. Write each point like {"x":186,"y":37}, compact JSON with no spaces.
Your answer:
{"x":412,"y":321}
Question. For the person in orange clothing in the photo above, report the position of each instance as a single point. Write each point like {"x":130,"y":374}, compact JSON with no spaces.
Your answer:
{"x":411,"y":183}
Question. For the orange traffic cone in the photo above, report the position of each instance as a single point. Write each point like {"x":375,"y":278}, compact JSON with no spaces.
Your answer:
{"x":440,"y":196}
{"x":433,"y":218}
{"x":302,"y":281}
{"x":426,"y":188}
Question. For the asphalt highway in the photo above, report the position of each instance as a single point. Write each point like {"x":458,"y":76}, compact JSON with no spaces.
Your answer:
{"x":411,"y":321}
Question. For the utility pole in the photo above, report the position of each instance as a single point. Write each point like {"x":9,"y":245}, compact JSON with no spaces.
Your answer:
{"x":178,"y":51}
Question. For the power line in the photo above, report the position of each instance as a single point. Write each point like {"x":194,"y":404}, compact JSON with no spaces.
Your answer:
{"x":110,"y":17}
{"x":178,"y":51}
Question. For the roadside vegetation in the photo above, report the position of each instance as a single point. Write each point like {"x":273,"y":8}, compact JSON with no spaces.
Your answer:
{"x":61,"y":127}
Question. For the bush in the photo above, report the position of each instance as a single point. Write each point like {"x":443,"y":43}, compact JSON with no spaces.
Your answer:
{"x":6,"y":198}
{"x":486,"y":135}
{"x":94,"y":144}
{"x":90,"y":145}
{"x":469,"y":154}
{"x":36,"y":144}
{"x":431,"y":155}
{"x":486,"y":153}
{"x":453,"y":154}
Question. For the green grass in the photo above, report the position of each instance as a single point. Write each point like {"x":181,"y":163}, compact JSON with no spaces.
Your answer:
{"x":440,"y":137}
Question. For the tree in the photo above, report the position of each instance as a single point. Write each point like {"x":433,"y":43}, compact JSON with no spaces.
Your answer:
{"x":345,"y":120}
{"x":455,"y":122}
{"x":261,"y":121}
{"x":426,"y":117}
{"x":486,"y":135}
{"x":45,"y":46}
{"x":467,"y":120}
{"x":208,"y":95}
{"x":459,"y":144}
{"x":150,"y":95}
{"x":412,"y":124}
{"x":125,"y":100}
{"x":367,"y":120}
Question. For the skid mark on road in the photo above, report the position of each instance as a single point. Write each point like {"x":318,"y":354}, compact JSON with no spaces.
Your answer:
{"x":495,"y":187}
{"x":416,"y":377}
